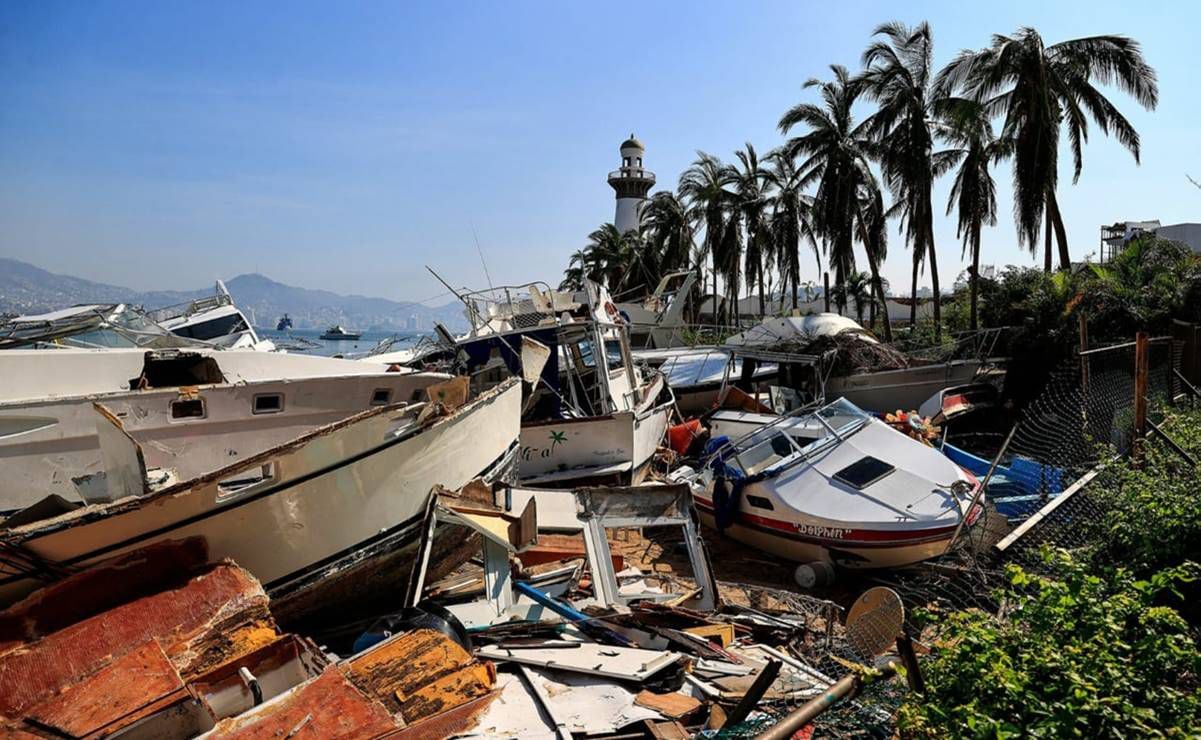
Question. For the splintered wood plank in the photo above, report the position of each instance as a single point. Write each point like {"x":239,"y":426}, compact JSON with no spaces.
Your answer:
{"x":217,"y":616}
{"x":327,"y":708}
{"x":403,"y":664}
{"x":131,"y":687}
{"x":672,"y":706}
{"x":447,"y":692}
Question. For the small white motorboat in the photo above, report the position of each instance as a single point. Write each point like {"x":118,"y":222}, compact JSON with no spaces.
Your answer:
{"x":835,"y":485}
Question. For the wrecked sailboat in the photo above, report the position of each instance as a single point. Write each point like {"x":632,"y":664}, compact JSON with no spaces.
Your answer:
{"x":835,"y":485}
{"x":331,"y":511}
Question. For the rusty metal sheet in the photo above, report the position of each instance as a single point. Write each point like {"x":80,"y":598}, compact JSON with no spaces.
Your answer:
{"x":216,"y":617}
{"x":328,"y":707}
{"x":134,"y":686}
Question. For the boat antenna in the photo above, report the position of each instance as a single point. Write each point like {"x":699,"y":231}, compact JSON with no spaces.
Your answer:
{"x":481,"y":253}
{"x":470,"y":308}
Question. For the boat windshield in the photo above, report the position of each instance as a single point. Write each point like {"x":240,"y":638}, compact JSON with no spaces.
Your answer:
{"x":770,"y":445}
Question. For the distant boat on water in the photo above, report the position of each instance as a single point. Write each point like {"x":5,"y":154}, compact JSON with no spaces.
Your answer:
{"x":340,"y":333}
{"x":284,"y":324}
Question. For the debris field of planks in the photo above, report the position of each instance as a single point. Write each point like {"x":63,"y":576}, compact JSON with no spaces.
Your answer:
{"x":549,"y":631}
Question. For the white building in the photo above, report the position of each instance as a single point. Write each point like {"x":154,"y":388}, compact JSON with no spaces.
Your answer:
{"x":1117,"y":236}
{"x":631,"y":183}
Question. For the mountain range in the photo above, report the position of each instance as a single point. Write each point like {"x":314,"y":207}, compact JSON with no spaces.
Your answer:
{"x":26,"y":289}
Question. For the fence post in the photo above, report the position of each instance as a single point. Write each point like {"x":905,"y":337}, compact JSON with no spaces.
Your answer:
{"x":1141,"y":350}
{"x":1083,"y":357}
{"x":826,"y":291}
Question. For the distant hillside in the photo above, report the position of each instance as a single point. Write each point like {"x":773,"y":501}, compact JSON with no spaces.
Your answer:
{"x":27,"y":289}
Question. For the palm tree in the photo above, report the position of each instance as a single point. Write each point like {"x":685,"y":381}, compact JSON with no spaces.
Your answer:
{"x":751,"y":185}
{"x":834,"y":152}
{"x":615,"y":259}
{"x":790,"y":220}
{"x":872,"y":220}
{"x":1041,"y":89}
{"x":897,"y":75}
{"x":668,"y":232}
{"x":573,"y":276}
{"x":966,"y":127}
{"x":858,"y":288}
{"x":703,"y":186}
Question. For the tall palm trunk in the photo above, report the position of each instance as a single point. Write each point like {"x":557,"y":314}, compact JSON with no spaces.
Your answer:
{"x":934,"y":281}
{"x":878,"y":289}
{"x":913,"y":293}
{"x":1047,"y":244}
{"x":975,"y":284}
{"x":1061,"y":234}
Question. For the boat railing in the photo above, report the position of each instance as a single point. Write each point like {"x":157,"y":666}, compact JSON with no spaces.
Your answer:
{"x":189,"y":308}
{"x":523,"y":306}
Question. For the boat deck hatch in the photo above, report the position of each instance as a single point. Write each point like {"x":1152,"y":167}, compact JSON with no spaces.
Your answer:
{"x":863,"y":472}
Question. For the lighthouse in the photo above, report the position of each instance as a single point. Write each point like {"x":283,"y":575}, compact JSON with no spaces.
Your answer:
{"x":631,"y":183}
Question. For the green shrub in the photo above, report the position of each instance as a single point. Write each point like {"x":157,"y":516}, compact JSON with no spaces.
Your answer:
{"x":1152,"y":518}
{"x":1076,"y":655}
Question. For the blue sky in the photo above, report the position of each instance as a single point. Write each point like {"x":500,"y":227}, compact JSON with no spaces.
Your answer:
{"x":346,"y":145}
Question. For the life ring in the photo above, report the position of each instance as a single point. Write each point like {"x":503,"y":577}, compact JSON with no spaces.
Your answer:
{"x":611,"y":310}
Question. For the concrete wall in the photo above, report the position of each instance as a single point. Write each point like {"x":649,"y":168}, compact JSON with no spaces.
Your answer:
{"x":1189,"y":234}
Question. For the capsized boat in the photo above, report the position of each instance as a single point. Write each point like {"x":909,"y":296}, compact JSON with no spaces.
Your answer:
{"x":337,"y":510}
{"x":590,"y":412}
{"x":835,"y":485}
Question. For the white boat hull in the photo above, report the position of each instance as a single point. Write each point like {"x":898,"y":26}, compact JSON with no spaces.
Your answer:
{"x":45,"y":444}
{"x":905,"y":389}
{"x":357,"y":486}
{"x":617,"y":445}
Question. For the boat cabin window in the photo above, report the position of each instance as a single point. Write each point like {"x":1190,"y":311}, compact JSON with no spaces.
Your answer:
{"x":187,"y":408}
{"x":766,"y":452}
{"x":863,"y":472}
{"x":760,"y":503}
{"x":381,"y":397}
{"x":268,"y":403}
{"x":213,"y":328}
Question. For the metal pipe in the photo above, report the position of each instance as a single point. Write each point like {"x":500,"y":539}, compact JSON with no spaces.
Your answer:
{"x":252,"y":683}
{"x":843,"y":688}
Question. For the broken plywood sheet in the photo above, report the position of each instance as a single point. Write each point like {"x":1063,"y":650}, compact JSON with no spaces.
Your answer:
{"x":419,"y":674}
{"x":134,"y":686}
{"x":629,"y":664}
{"x":327,"y":708}
{"x":584,"y":704}
{"x":213,"y":618}
{"x":672,"y":705}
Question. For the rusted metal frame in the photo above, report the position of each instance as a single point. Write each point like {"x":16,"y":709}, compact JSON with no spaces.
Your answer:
{"x":1141,"y":362}
{"x":982,"y":487}
{"x":845,"y":687}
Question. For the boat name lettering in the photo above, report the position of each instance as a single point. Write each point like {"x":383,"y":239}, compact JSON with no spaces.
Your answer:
{"x":818,"y":530}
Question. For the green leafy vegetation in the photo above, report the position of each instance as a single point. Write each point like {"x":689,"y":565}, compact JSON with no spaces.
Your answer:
{"x":1103,"y":643}
{"x":1076,"y":655}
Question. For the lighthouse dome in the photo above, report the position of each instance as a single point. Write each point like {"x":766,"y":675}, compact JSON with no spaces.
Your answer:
{"x":632,"y":143}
